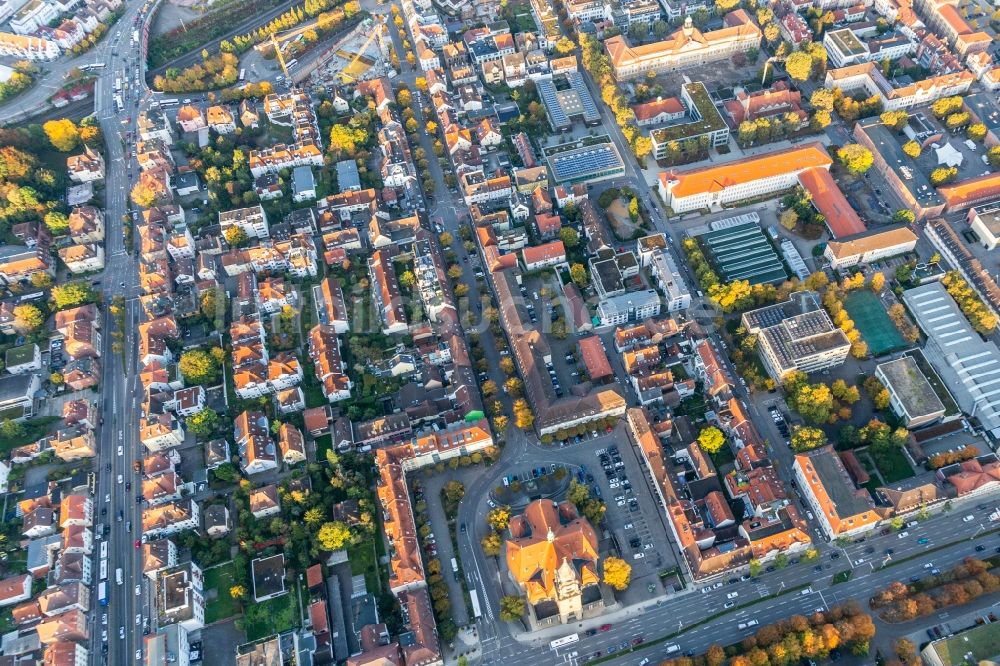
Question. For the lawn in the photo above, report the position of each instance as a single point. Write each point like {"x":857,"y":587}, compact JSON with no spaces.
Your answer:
{"x":891,"y":464}
{"x":362,"y":558}
{"x":981,"y":642}
{"x":219,"y":579}
{"x":872,"y":321}
{"x":273,"y":616}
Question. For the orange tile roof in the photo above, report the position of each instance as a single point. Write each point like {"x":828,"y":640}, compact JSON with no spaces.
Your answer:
{"x":594,"y":357}
{"x":652,"y":109}
{"x":841,"y":218}
{"x":971,"y":191}
{"x":717,"y":177}
{"x":545,"y":539}
{"x":546,"y":252}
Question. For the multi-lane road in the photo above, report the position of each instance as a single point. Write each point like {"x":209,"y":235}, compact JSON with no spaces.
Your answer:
{"x":118,"y":485}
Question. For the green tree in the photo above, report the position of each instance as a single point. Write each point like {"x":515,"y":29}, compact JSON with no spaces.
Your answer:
{"x":711,"y":440}
{"x":57,"y":223}
{"x":578,"y":493}
{"x":72,"y":294}
{"x":202,"y":424}
{"x":856,"y":158}
{"x":11,"y":429}
{"x":569,"y":236}
{"x":227,"y":472}
{"x":333,"y":535}
{"x":511,"y":608}
{"x":903,"y":216}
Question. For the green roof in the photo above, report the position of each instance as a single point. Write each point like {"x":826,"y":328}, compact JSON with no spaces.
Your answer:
{"x":708,"y":119}
{"x":20,"y":355}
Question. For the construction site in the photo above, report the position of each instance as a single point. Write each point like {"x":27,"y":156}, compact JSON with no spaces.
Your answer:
{"x":361,"y":54}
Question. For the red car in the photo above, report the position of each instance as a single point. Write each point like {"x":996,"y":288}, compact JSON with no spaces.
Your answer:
{"x":137,"y":544}
{"x":605,"y":627}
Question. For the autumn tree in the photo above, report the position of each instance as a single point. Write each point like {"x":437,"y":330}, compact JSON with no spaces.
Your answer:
{"x":569,"y":236}
{"x":578,"y":273}
{"x":57,"y":222}
{"x":238,"y":592}
{"x":62,"y":134}
{"x":498,"y":518}
{"x":511,"y":608}
{"x":805,"y":438}
{"x":27,"y":318}
{"x":524,"y":418}
{"x":896,"y":120}
{"x":877,"y":282}
{"x":789,"y":219}
{"x":491,"y":544}
{"x":711,"y":440}
{"x":856,"y":158}
{"x":799,"y":65}
{"x":236,"y":236}
{"x":617,"y":573}
{"x":912,"y":148}
{"x":71,"y":294}
{"x":144,"y":196}
{"x":333,"y":535}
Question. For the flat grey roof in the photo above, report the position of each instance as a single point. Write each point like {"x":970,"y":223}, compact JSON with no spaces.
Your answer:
{"x":911,"y":387}
{"x":905,"y":167}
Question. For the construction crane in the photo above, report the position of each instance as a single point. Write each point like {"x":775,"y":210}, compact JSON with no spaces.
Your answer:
{"x":377,"y":33}
{"x":281,"y":57}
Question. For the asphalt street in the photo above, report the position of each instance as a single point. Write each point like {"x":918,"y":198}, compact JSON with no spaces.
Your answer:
{"x":128,"y":601}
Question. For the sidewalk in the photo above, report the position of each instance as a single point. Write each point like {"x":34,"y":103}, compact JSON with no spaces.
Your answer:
{"x":544,"y":636}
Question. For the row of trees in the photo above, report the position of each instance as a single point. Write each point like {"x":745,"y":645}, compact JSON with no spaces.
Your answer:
{"x":980,"y":316}
{"x":967,"y":581}
{"x":792,"y":640}
{"x":767,"y":129}
{"x":597,"y":63}
{"x":909,"y":331}
{"x":939,"y":460}
{"x":211,"y":73}
{"x":834,"y":304}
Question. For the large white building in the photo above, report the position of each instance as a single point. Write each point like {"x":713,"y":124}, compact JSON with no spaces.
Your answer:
{"x":911,"y":396}
{"x":985,"y":222}
{"x":676,"y":293}
{"x":869,"y":247}
{"x":968,"y":365}
{"x":714,"y":186}
{"x":867,"y":78}
{"x":630,"y":306}
{"x":28,"y":48}
{"x":796,"y":335}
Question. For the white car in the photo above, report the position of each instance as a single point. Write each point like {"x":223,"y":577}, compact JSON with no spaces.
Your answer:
{"x":138,"y":591}
{"x":628,"y":526}
{"x":638,"y":556}
{"x":903,"y":535}
{"x":968,"y":519}
{"x":706,"y":589}
{"x":729,"y":604}
{"x":621,"y":502}
{"x":138,"y":618}
{"x":138,"y":655}
{"x":732,"y":595}
{"x":121,"y":450}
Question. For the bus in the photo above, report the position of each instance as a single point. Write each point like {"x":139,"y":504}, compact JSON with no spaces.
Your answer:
{"x":102,"y":593}
{"x":119,"y":576}
{"x":243,"y":73}
{"x":474,"y":598}
{"x":119,"y":105}
{"x":564,"y":641}
{"x":104,"y":550}
{"x":104,"y":569}
{"x":118,"y":84}
{"x":135,"y":36}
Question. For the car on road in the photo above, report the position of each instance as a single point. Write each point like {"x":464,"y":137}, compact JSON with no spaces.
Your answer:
{"x":923,"y":540}
{"x":138,"y":618}
{"x":605,"y":627}
{"x":138,"y":544}
{"x":903,"y":535}
{"x":138,"y":590}
{"x":138,"y":655}
{"x":980,"y":548}
{"x":968,"y":519}
{"x":591,"y":632}
{"x":732,"y":595}
{"x":121,"y":632}
{"x":729,"y":604}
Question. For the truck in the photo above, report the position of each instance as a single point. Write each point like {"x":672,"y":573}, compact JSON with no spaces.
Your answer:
{"x":454,"y":567}
{"x":674,"y":647}
{"x":102,"y":593}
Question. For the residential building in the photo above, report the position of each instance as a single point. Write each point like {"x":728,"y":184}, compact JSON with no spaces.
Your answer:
{"x":253,"y":440}
{"x":252,"y":220}
{"x":180,"y":598}
{"x":985,"y":222}
{"x":87,"y":167}
{"x":841,"y":509}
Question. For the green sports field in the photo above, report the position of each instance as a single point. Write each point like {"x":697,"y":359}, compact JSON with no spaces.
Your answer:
{"x":872,"y":321}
